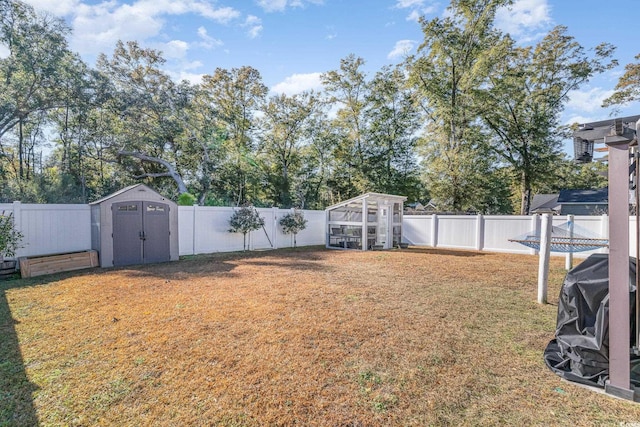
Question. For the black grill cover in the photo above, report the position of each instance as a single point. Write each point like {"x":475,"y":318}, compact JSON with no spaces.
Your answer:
{"x":580,"y":350}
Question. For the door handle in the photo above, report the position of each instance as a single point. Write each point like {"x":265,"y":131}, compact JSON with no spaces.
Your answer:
{"x":142,"y":235}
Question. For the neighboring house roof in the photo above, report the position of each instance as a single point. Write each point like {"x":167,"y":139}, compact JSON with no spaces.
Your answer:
{"x":599,"y":196}
{"x":545,"y":203}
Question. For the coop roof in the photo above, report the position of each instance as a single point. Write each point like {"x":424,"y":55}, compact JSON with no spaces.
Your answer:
{"x":370,"y":197}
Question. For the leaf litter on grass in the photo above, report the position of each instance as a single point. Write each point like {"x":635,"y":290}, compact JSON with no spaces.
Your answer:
{"x":300,"y":337}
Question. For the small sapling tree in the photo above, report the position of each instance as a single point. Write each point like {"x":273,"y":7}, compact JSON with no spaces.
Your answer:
{"x":10,"y":238}
{"x":245,"y":220}
{"x":186,"y":199}
{"x":293,"y":223}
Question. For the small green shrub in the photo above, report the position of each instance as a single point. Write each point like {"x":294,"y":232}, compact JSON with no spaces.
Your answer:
{"x":10,"y":238}
{"x":186,"y":199}
{"x":293,"y":223}
{"x":245,"y":220}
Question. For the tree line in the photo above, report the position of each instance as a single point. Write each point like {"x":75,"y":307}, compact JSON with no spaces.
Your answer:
{"x":470,"y":121}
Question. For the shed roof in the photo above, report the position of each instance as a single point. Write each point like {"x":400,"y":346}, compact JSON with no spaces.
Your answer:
{"x":124,"y":190}
{"x":369,"y":197}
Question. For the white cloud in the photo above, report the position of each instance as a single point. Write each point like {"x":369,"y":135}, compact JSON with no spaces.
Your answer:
{"x":579,"y":119}
{"x":403,"y":4}
{"x":414,"y":16}
{"x":96,"y":27}
{"x":193,"y":78}
{"x":255,"y":26}
{"x":523,"y":17}
{"x":273,"y":5}
{"x":175,"y":49}
{"x":587,"y":101}
{"x":331,"y":32}
{"x":298,"y":83}
{"x":402,"y":48}
{"x":281,"y":5}
{"x":4,"y":51}
{"x":208,"y":42}
{"x":418,"y":8}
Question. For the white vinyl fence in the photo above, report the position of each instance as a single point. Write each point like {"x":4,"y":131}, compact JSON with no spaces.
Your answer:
{"x":492,"y":233}
{"x":50,"y":229}
{"x":206,"y":230}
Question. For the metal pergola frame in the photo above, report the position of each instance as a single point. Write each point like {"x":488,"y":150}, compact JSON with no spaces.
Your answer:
{"x":619,"y":135}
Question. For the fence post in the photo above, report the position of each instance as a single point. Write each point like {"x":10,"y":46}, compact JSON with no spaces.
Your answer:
{"x":535,"y":229}
{"x":274,"y":230}
{"x":434,"y":230}
{"x":568,"y":261}
{"x":193,"y":230}
{"x":479,"y":232}
{"x":604,"y":231}
{"x":17,"y":223}
{"x":545,"y":251}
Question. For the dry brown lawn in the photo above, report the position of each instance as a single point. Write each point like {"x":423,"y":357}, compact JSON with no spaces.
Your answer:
{"x":306,"y":337}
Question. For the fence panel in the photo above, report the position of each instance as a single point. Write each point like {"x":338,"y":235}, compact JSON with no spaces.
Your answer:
{"x":457,"y":231}
{"x":51,"y":229}
{"x":314,"y":233}
{"x":500,"y":228}
{"x":416,"y":229}
{"x":212,"y":231}
{"x":186,"y":230}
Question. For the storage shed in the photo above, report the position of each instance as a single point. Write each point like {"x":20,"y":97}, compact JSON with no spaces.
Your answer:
{"x":369,"y":221}
{"x":135,"y":225}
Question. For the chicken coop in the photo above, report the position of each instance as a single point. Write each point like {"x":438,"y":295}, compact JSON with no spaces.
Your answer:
{"x":369,"y":221}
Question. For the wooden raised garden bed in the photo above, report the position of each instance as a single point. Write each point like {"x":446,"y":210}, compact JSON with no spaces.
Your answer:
{"x":49,"y":264}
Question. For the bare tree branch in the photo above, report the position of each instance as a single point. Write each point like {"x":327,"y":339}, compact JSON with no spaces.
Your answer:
{"x":171,"y":170}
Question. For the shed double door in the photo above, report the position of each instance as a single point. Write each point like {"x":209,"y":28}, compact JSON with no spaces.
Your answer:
{"x":140,"y":232}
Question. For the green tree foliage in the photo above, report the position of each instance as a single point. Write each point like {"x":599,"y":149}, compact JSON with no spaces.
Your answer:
{"x":293,"y":223}
{"x":235,"y":96}
{"x":348,"y":88}
{"x":145,"y":115}
{"x":284,"y":130}
{"x":312,"y":188}
{"x":469,"y":121}
{"x":445,"y":73}
{"x":628,"y":87}
{"x":569,"y":175}
{"x":523,"y":97}
{"x":186,"y":199}
{"x":33,"y":78}
{"x":393,"y":123}
{"x":245,"y":220}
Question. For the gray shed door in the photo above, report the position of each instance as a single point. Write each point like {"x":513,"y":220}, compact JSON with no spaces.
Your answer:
{"x":140,"y":232}
{"x":156,"y":232}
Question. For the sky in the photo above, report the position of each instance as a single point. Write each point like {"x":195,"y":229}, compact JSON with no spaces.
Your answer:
{"x":292,"y":42}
